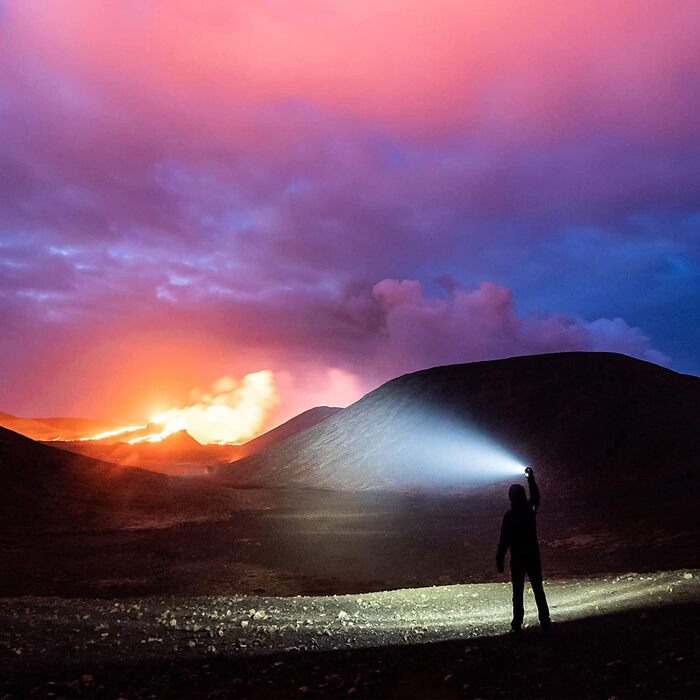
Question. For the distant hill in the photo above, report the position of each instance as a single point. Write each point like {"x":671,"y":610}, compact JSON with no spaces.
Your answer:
{"x":181,"y":454}
{"x":587,"y":421}
{"x":81,"y":426}
{"x":52,"y":428}
{"x":51,"y":489}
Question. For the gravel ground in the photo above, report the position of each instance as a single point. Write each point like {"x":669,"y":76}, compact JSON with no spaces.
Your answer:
{"x":83,"y":648}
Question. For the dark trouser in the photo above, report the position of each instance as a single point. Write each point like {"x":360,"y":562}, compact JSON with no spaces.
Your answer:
{"x":534,"y":573}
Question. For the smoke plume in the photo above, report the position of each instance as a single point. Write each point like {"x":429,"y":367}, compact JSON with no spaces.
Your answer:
{"x":231,"y":412}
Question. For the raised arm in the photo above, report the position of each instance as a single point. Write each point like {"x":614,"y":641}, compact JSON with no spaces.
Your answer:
{"x":503,"y":543}
{"x":534,"y":490}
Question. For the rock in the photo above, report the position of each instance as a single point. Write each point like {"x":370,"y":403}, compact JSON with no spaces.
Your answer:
{"x":334,"y":680}
{"x":687,"y":575}
{"x":449,"y":680}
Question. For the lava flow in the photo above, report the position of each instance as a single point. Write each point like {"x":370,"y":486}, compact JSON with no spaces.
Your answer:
{"x":231,"y":413}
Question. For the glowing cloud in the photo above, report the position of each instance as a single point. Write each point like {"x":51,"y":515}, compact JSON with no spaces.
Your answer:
{"x":232,"y":412}
{"x":192,"y":189}
{"x":419,"y":330}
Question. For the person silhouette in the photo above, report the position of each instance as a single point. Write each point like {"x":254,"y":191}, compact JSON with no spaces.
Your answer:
{"x":519,"y":534}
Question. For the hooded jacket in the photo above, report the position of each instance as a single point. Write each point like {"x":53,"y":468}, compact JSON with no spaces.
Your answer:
{"x":519,"y":528}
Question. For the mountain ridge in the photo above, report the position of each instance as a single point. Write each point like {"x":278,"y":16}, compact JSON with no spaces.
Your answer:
{"x":180,"y":453}
{"x":576,"y":410}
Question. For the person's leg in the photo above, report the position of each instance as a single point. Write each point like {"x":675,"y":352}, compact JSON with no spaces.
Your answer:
{"x":534,"y":573}
{"x":517,"y":576}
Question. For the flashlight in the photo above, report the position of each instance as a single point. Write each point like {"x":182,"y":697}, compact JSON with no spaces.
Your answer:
{"x":528,"y":471}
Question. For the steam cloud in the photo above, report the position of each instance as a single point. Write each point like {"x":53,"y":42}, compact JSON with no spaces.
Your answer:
{"x":478,"y":324}
{"x":233,"y":411}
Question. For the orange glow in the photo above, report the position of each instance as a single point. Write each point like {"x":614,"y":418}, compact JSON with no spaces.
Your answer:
{"x":230,"y":413}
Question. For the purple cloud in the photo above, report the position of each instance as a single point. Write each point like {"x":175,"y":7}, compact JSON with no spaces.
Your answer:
{"x":240,"y":194}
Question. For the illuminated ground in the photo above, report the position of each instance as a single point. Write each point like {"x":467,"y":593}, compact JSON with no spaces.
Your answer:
{"x":42,"y":635}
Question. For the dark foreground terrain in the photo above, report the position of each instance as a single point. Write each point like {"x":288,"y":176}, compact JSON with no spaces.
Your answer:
{"x":118,"y":582}
{"x":188,"y":610}
{"x":624,"y":636}
{"x":291,"y":542}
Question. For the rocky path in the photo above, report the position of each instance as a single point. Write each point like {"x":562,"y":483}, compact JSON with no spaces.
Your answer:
{"x":38,"y":630}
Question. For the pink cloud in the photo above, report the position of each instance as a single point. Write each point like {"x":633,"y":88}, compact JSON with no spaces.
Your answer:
{"x":189,"y":190}
{"x":478,"y":324}
{"x":406,"y":62}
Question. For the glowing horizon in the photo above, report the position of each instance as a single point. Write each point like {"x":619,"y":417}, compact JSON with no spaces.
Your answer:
{"x":231,"y":412}
{"x":337,"y":193}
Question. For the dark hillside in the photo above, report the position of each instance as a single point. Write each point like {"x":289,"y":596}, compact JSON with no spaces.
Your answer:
{"x":51,"y":489}
{"x":587,"y":421}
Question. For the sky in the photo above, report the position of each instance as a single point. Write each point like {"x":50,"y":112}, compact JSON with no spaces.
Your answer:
{"x":337,"y":193}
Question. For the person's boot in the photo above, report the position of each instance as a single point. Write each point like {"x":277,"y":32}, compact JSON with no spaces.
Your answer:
{"x":546,"y":625}
{"x":515,"y":629}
